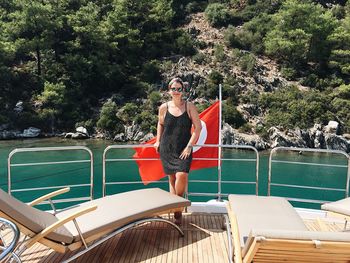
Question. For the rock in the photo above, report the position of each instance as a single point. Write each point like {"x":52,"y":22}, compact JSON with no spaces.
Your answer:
{"x":79,"y":135}
{"x":8,"y":135}
{"x":82,"y":130}
{"x":250,"y":139}
{"x":336,"y":142}
{"x":332,"y":127}
{"x":100,"y":135}
{"x":31,"y":132}
{"x":120,"y":137}
{"x":69,"y":135}
{"x":138,"y":136}
{"x":19,"y":107}
{"x":76,"y":135}
{"x":232,"y":136}
{"x":286,"y":139}
{"x":252,"y":109}
{"x":147,"y":137}
{"x":227,"y":133}
{"x":4,"y":126}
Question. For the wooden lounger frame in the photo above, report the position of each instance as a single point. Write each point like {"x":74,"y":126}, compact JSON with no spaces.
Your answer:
{"x":263,"y":249}
{"x":30,"y":237}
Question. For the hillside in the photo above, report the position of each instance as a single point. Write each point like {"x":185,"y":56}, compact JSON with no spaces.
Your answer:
{"x":284,"y":66}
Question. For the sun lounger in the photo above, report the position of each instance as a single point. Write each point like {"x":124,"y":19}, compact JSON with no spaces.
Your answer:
{"x":88,"y":224}
{"x":268,"y":229}
{"x":7,"y":247}
{"x":341,"y":207}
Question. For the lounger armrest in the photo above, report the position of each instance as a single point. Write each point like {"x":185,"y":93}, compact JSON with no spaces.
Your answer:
{"x":49,"y":196}
{"x":59,"y":223}
{"x":237,"y":252}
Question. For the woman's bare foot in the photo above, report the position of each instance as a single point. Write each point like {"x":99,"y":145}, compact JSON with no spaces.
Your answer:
{"x":178,"y":218}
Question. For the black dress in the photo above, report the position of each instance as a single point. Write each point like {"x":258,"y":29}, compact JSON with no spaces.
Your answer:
{"x":175,"y":137}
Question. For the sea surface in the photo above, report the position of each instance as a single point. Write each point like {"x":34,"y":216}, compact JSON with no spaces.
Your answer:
{"x":240,"y":169}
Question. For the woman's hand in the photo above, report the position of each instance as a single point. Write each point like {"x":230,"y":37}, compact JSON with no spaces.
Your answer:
{"x":156,"y":146}
{"x":186,"y":152}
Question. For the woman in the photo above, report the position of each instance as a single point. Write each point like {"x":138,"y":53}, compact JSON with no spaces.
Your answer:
{"x":174,"y":139}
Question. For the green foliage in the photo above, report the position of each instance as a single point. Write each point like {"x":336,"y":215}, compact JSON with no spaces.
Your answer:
{"x":200,"y":58}
{"x":231,"y":38}
{"x":128,"y":112}
{"x":247,"y":63}
{"x":341,"y":106}
{"x":300,"y":34}
{"x":246,"y":128}
{"x":151,"y":72}
{"x":155,"y":101}
{"x":217,"y":14}
{"x":343,"y":92}
{"x":216,"y":77}
{"x":196,"y":6}
{"x":219,"y":53}
{"x":255,"y":8}
{"x":185,"y":45}
{"x":108,"y":120}
{"x":232,"y":116}
{"x":293,"y":108}
{"x":289,"y":73}
{"x":252,"y":34}
{"x":148,"y":121}
{"x":340,"y":54}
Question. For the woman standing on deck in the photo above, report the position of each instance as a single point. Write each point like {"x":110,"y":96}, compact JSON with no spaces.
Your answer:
{"x":174,"y":139}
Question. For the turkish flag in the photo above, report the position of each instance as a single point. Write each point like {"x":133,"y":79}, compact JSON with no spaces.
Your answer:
{"x":150,"y":166}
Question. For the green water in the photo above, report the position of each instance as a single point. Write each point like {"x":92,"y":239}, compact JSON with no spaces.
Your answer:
{"x":78,"y":173}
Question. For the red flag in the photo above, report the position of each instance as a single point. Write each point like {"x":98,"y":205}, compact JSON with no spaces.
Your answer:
{"x":152,"y":170}
{"x":209,"y":135}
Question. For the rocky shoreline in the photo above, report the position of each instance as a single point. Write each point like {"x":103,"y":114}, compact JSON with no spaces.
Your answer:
{"x":318,"y":137}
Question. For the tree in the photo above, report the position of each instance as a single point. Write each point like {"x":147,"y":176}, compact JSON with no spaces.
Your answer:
{"x":340,"y":54}
{"x":300,"y":34}
{"x":108,"y":120}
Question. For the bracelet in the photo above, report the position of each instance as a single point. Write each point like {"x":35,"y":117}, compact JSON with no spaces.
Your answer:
{"x":189,"y":146}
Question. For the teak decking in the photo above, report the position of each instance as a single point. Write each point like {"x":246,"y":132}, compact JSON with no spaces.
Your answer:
{"x":205,"y":241}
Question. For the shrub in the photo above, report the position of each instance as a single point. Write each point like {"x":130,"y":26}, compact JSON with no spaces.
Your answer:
{"x":289,"y":73}
{"x":217,"y":15}
{"x":196,"y":6}
{"x":127,"y":112}
{"x":185,"y":45}
{"x":108,"y":120}
{"x":216,"y":77}
{"x":155,"y":100}
{"x":231,"y":38}
{"x":219,"y":53}
{"x":247,"y":63}
{"x":148,"y":121}
{"x":310,"y":80}
{"x":151,"y":72}
{"x":200,"y":58}
{"x":246,"y":128}
{"x":232,"y":116}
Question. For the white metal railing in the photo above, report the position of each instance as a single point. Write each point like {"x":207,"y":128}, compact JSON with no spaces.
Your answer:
{"x":298,"y":186}
{"x":218,"y":195}
{"x":90,"y":183}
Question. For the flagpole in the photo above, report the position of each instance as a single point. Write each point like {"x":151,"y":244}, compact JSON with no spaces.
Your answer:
{"x":219,"y":143}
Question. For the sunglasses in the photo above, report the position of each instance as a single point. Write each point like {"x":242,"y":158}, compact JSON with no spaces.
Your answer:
{"x":180,"y":89}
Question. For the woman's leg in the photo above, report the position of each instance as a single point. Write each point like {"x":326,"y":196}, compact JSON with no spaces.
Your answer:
{"x":181,"y":182}
{"x":172,"y":179}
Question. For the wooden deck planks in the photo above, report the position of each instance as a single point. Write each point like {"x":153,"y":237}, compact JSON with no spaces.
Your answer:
{"x":205,"y":241}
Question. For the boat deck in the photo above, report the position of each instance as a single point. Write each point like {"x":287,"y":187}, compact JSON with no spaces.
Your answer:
{"x":205,"y":241}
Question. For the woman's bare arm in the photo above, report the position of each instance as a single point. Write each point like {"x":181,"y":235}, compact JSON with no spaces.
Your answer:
{"x":160,"y":124}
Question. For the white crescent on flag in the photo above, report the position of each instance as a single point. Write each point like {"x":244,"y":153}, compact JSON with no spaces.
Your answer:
{"x":202,"y":137}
